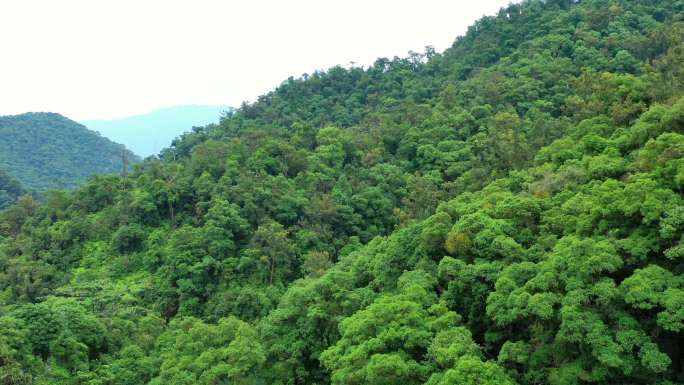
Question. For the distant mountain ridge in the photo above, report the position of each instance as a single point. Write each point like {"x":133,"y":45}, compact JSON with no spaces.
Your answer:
{"x":44,"y":150}
{"x":149,"y":133}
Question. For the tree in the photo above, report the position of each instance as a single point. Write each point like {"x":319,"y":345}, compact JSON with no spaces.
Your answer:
{"x":273,"y":252}
{"x":193,"y":352}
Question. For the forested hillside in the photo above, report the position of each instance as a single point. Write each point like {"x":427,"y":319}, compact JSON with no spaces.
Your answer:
{"x":10,"y":190}
{"x":509,"y":211}
{"x":46,"y":150}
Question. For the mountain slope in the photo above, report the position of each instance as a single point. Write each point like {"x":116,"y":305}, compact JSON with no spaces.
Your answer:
{"x":10,"y":190}
{"x":148,"y":134}
{"x":506,"y":212}
{"x":47,"y":150}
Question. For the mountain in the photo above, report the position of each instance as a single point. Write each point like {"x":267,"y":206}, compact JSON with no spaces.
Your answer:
{"x":509,"y":211}
{"x":148,"y":134}
{"x":46,"y":150}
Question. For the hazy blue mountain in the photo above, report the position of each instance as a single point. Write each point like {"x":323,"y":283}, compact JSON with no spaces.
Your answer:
{"x":43,"y":150}
{"x":149,"y":133}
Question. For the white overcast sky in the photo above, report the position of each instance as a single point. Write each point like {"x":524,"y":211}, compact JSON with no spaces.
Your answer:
{"x":104,"y":59}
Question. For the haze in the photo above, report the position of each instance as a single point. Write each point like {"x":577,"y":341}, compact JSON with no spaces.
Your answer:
{"x":91,"y":59}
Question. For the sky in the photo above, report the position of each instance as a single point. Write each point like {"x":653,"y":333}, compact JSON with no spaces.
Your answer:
{"x":103,"y":59}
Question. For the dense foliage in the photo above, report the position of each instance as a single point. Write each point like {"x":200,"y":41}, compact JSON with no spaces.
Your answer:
{"x":507,"y":212}
{"x":47,"y":150}
{"x":10,"y":190}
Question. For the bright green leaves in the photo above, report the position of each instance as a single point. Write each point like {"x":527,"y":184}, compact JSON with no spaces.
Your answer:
{"x":619,"y":344}
{"x":487,"y":237}
{"x":224,"y":229}
{"x":193,"y":352}
{"x":656,"y":288}
{"x":672,"y":318}
{"x":602,"y":206}
{"x":63,"y":332}
{"x":652,"y":358}
{"x":305,"y":323}
{"x":571,"y":293}
{"x":398,"y":340}
{"x":472,"y":371}
{"x":131,"y":367}
{"x":390,"y":328}
{"x":528,"y":290}
{"x":581,"y":261}
{"x":514,"y":352}
{"x":645,"y":197}
{"x":452,"y":344}
{"x":643,"y":290}
{"x":332,"y":150}
{"x":16,"y":360}
{"x":188,"y":261}
{"x":608,"y":164}
{"x":672,"y":224}
{"x":510,"y":302}
{"x":394,"y":328}
{"x":386,"y":369}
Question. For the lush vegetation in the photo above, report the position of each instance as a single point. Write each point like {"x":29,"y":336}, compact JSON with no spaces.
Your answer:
{"x":47,"y":150}
{"x":509,"y":211}
{"x":10,"y":190}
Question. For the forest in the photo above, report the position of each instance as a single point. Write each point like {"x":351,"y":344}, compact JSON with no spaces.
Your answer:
{"x":10,"y":190}
{"x":508,"y":211}
{"x":43,"y":150}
